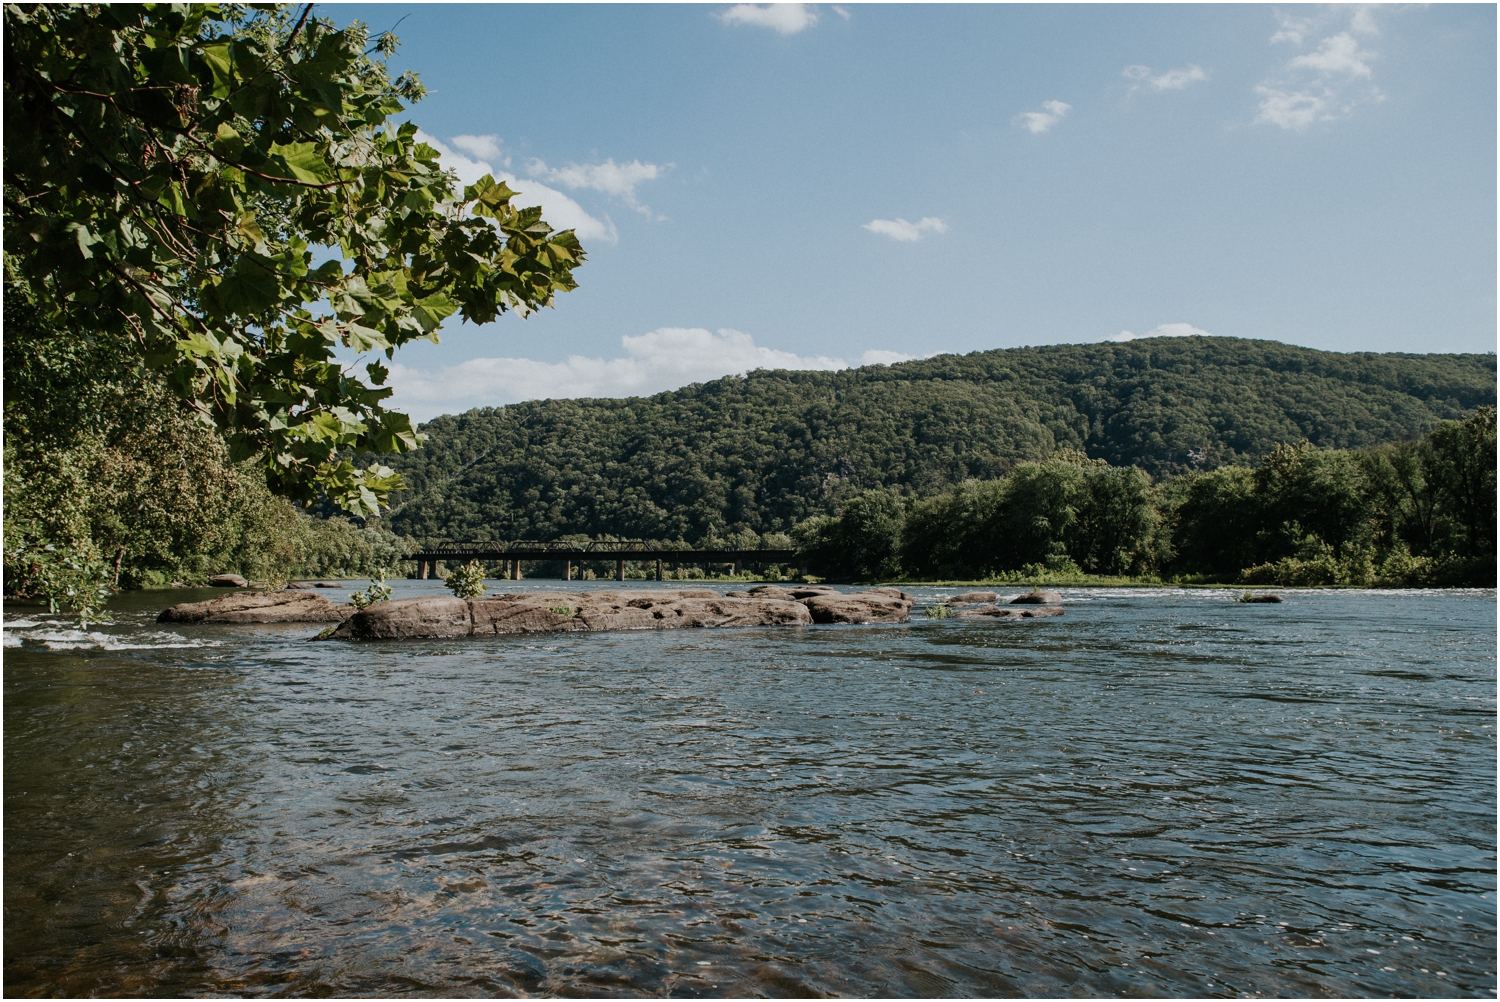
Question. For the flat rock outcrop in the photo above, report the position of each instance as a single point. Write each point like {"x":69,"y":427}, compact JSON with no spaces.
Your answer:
{"x":794,"y":593}
{"x":559,"y":612}
{"x":971,"y":597}
{"x":992,"y":611}
{"x":1037,"y":598}
{"x":859,"y":607}
{"x":259,"y":607}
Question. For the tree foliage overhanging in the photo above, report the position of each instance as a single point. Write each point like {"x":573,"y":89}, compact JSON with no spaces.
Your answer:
{"x":109,"y":484}
{"x":747,"y":456}
{"x":216,"y":189}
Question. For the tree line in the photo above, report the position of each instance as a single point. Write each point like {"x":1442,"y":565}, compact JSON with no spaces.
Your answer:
{"x":1419,"y":512}
{"x":757,"y":454}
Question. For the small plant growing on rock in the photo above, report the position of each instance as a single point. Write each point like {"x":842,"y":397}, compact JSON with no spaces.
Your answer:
{"x":562,"y":610}
{"x":939,"y":611}
{"x":467,"y":581}
{"x":378,"y":591}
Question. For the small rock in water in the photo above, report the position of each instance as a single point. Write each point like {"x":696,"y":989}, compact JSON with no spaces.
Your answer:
{"x":1037,"y":598}
{"x":972,"y":597}
{"x":992,"y":611}
{"x":227,"y":581}
{"x":1247,"y":597}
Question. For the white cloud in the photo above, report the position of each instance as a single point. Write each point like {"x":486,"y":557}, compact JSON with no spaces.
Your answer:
{"x":900,"y":229}
{"x":617,"y":180}
{"x":1163,"y":330}
{"x":1294,"y":110}
{"x":1323,"y":84}
{"x":786,"y":18}
{"x":1170,"y":80}
{"x":1040,"y":121}
{"x":663,"y":359}
{"x":1293,"y":29}
{"x":1363,"y":20}
{"x":558,"y":209}
{"x":482,"y":147}
{"x":1339,"y":54}
{"x":841,"y":12}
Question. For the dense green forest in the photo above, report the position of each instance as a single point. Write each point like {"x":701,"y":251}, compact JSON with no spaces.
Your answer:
{"x":1408,"y":513}
{"x":743,"y":457}
{"x":110,"y":481}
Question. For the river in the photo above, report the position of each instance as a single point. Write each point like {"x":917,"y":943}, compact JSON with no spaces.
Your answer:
{"x":1160,"y":793}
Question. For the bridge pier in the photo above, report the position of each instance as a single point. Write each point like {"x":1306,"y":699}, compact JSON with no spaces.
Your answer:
{"x":515,"y":569}
{"x":658,"y":568}
{"x":619,"y":570}
{"x":567,"y":569}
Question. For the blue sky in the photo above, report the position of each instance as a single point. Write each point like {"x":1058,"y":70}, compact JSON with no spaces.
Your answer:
{"x":820,"y":185}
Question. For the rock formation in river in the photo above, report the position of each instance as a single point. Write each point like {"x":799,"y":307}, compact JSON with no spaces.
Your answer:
{"x":552,"y":612}
{"x":1037,"y":598}
{"x":259,"y":607}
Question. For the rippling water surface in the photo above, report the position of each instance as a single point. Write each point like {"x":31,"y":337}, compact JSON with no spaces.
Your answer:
{"x":1161,"y":793}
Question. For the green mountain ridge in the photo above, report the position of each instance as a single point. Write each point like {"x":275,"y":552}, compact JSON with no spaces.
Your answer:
{"x":759,"y":453}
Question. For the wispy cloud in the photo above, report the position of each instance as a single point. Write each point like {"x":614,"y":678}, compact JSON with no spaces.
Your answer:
{"x":663,"y":359}
{"x":1038,"y":122}
{"x":1170,"y":80}
{"x":1162,"y":330}
{"x":558,"y":209}
{"x":1326,"y":83}
{"x":785,"y":18}
{"x":900,"y":229}
{"x":616,"y":180}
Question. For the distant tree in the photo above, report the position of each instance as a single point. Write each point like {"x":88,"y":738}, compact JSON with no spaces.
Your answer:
{"x":1463,"y":471}
{"x":863,"y":541}
{"x":217,"y":190}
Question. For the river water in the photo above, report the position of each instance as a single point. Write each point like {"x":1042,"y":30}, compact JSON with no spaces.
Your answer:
{"x":1160,"y":793}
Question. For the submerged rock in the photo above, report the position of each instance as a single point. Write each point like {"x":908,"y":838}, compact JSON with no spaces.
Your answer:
{"x":1037,"y":598}
{"x":557,"y":612}
{"x":259,"y":607}
{"x":227,"y":581}
{"x":1247,"y":597}
{"x":992,"y":611}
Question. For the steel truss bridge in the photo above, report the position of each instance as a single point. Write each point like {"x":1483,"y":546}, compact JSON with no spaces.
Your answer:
{"x":511,"y":554}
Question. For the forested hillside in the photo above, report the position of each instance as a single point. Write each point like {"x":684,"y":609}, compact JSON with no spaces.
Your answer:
{"x":759,"y":453}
